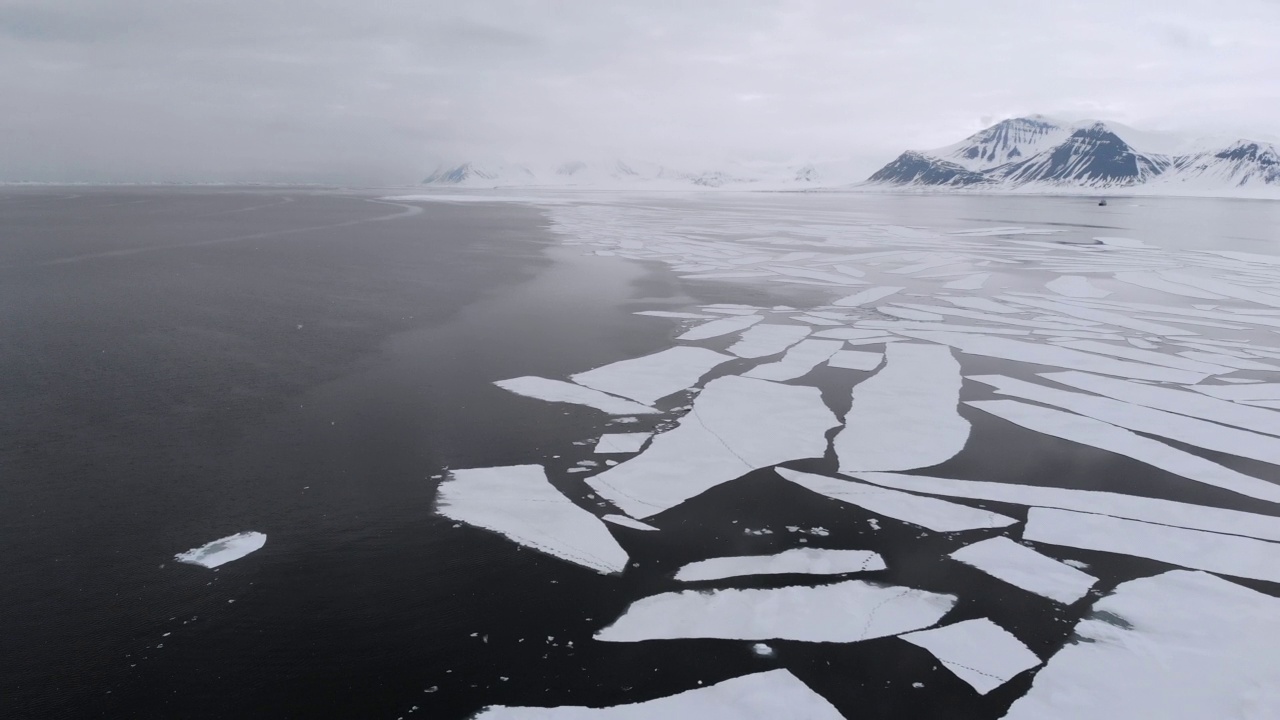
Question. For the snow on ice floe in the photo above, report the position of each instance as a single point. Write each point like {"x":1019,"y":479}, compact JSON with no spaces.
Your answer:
{"x":799,"y":360}
{"x":736,"y":425}
{"x":1095,"y":433}
{"x":621,"y":442}
{"x":772,"y":695}
{"x":1023,"y":567}
{"x":625,"y":521}
{"x":867,"y":296}
{"x":767,"y":339}
{"x":978,"y":651}
{"x":1076,"y":286}
{"x":652,"y":377}
{"x":518,"y":502}
{"x":931,"y":513}
{"x":904,"y":416}
{"x":223,"y":550}
{"x":1154,"y":510}
{"x":1177,"y":646}
{"x":567,"y":392}
{"x":723,"y":326}
{"x":1216,"y":552}
{"x":847,"y":611}
{"x":807,"y":561}
{"x":856,"y":360}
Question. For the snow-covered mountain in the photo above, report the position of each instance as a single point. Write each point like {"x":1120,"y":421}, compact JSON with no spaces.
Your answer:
{"x":627,"y":174}
{"x":1038,"y":153}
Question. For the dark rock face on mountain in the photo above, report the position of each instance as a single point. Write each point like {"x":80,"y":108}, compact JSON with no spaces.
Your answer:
{"x":913,"y":168}
{"x":1090,"y":156}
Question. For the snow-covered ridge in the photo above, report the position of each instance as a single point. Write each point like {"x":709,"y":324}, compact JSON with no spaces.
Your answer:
{"x":1038,"y":153}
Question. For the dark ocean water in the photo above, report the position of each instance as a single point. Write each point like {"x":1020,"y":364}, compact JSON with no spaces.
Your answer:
{"x":181,"y":364}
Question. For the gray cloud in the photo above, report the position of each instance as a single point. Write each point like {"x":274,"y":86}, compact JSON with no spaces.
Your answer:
{"x":378,"y":92}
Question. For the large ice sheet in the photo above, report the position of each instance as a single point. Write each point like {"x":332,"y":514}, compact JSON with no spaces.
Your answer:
{"x":978,"y":651}
{"x":767,"y":339}
{"x":926,"y":512}
{"x":1077,"y":286}
{"x":772,"y":695}
{"x":798,"y":361}
{"x":1215,"y":552}
{"x":566,"y":392}
{"x":736,"y":425}
{"x":652,"y":377}
{"x":1164,"y":512}
{"x":869,"y":295}
{"x":223,"y":550}
{"x":905,"y":416}
{"x":807,"y":561}
{"x":841,"y":612}
{"x":856,"y":360}
{"x":1189,"y":646}
{"x":1023,"y":567}
{"x":1105,"y":436}
{"x":621,"y":442}
{"x":723,"y":326}
{"x":518,"y":502}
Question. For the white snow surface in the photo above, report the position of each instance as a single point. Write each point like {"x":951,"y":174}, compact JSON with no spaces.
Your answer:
{"x":1023,"y":567}
{"x":807,"y":561}
{"x":652,"y":377}
{"x":566,"y":392}
{"x":223,"y":550}
{"x":621,"y":442}
{"x":978,"y":651}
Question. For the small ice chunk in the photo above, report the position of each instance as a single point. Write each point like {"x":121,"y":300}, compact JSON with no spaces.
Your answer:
{"x":762,"y":650}
{"x":767,"y":339}
{"x":808,"y":561}
{"x":723,"y":326}
{"x":1023,"y":567}
{"x":652,"y":377}
{"x":979,"y":652}
{"x":622,"y":442}
{"x":566,"y":392}
{"x":223,"y":550}
{"x":625,"y":521}
{"x":798,"y":361}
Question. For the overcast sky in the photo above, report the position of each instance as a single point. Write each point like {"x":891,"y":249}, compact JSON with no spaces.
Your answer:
{"x":379,"y":91}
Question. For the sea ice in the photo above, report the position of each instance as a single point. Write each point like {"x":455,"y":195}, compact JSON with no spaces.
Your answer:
{"x":736,"y":425}
{"x":676,"y":315}
{"x":798,"y":361}
{"x":1023,"y":567}
{"x":519,"y":503}
{"x":808,"y":561}
{"x":652,"y":377}
{"x":931,"y":513}
{"x":223,"y":550}
{"x":847,"y":611}
{"x":972,"y":282}
{"x":1077,"y":286}
{"x":621,"y":442}
{"x":904,"y":416}
{"x":856,"y":360}
{"x":566,"y":392}
{"x":766,"y":339}
{"x":723,"y":326}
{"x":1147,"y":356}
{"x":978,"y":651}
{"x":869,"y":295}
{"x":625,"y":521}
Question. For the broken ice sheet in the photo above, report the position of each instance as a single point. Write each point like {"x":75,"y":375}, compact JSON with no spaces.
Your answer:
{"x":798,"y":361}
{"x":768,"y":339}
{"x":566,"y":392}
{"x":519,"y":503}
{"x":223,"y":550}
{"x":931,"y":513}
{"x":736,"y":425}
{"x":856,"y":360}
{"x":723,"y":326}
{"x":1077,"y":286}
{"x":866,"y":296}
{"x":807,"y":561}
{"x":652,"y":377}
{"x":625,"y":521}
{"x":1023,"y":567}
{"x":772,"y":695}
{"x":979,"y":652}
{"x":846,"y":611}
{"x":621,"y":442}
{"x":1178,"y":646}
{"x":904,"y":416}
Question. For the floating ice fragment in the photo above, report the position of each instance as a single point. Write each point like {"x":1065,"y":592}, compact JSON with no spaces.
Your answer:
{"x":798,"y":361}
{"x":519,"y":503}
{"x":762,"y":650}
{"x":625,"y":521}
{"x":1023,"y":567}
{"x":723,"y":326}
{"x":652,"y":377}
{"x":621,"y":442}
{"x":224,"y":550}
{"x":565,"y":392}
{"x":766,"y":339}
{"x":932,"y":513}
{"x":808,"y":561}
{"x":979,"y":652}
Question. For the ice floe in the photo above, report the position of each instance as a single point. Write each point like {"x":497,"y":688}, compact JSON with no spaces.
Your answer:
{"x":723,"y":326}
{"x":567,"y":392}
{"x":978,"y":651}
{"x":799,"y":360}
{"x":904,"y":416}
{"x":625,"y":521}
{"x":518,"y":502}
{"x":736,"y":425}
{"x":807,"y":561}
{"x":931,"y":513}
{"x":1076,"y":286}
{"x":867,"y":296}
{"x":971,"y":282}
{"x":652,"y":377}
{"x":223,"y":550}
{"x":1023,"y":567}
{"x":767,"y":339}
{"x":856,"y":360}
{"x":621,"y":442}
{"x":841,"y":612}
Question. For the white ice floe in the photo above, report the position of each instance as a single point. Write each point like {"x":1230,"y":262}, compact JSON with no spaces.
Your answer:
{"x":723,"y":326}
{"x":1087,"y":431}
{"x":807,"y":561}
{"x":1152,"y":281}
{"x":856,"y":360}
{"x":223,"y":550}
{"x":772,"y":695}
{"x":869,"y":295}
{"x":767,"y":339}
{"x":621,"y":442}
{"x":1147,"y":356}
{"x":1023,"y":567}
{"x":841,"y":612}
{"x":1076,"y":286}
{"x":519,"y":503}
{"x":799,"y":360}
{"x":979,"y":652}
{"x":566,"y":392}
{"x":972,"y":282}
{"x":926,"y":512}
{"x":981,"y":304}
{"x":1177,"y":646}
{"x":625,"y":521}
{"x":1228,"y":361}
{"x":904,"y":416}
{"x":1102,"y":316}
{"x":907,"y":313}
{"x":652,"y":377}
{"x":1164,"y":512}
{"x":1215,"y":552}
{"x":849,"y":334}
{"x":736,"y":425}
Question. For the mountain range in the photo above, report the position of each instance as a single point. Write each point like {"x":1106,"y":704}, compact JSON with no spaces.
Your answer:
{"x":619,"y":173}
